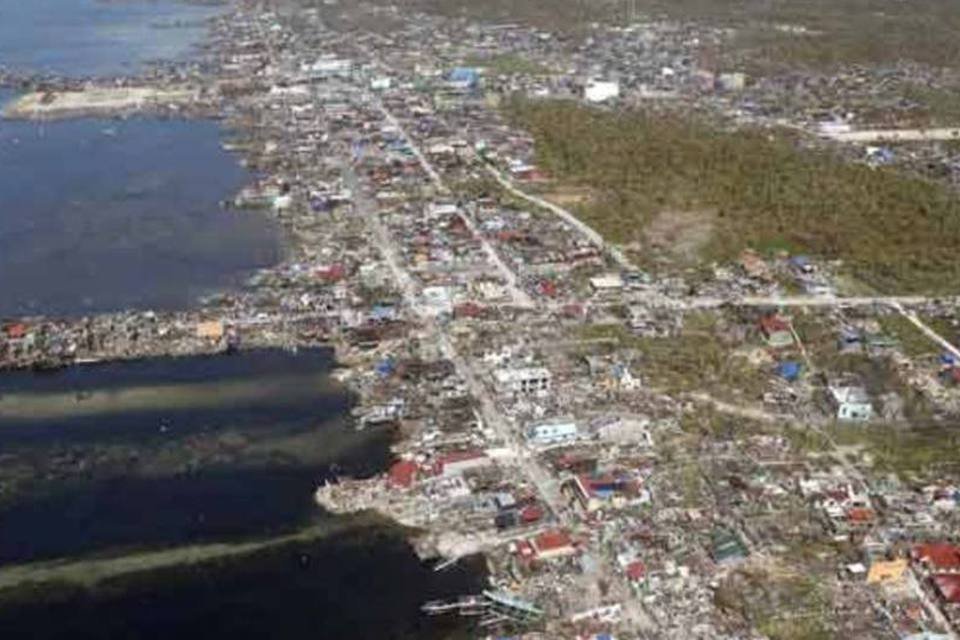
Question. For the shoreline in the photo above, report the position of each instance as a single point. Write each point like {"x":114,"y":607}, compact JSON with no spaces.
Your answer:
{"x":101,"y":101}
{"x":42,"y":342}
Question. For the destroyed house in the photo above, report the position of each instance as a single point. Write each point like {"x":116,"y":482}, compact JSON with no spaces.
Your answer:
{"x":947,"y":587}
{"x":776,"y":331}
{"x":852,"y":404}
{"x":726,"y":547}
{"x":522,"y":381}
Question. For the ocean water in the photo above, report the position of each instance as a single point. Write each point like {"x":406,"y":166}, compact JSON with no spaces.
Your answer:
{"x":101,"y":215}
{"x":82,"y":38}
{"x":111,"y":471}
{"x":173,"y":451}
{"x":115,"y":459}
{"x":361,"y":585}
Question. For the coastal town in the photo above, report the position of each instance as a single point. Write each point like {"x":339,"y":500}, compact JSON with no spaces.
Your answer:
{"x":639,"y":445}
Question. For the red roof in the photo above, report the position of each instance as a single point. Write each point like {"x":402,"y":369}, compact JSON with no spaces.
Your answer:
{"x":461,"y":456}
{"x":860,"y":514}
{"x":939,"y":555}
{"x":547,"y":288}
{"x":552,"y":541}
{"x":468,"y":310}
{"x":572,"y":310}
{"x":531,"y":513}
{"x":332,"y":273}
{"x":948,"y":587}
{"x":773,"y":324}
{"x":403,"y":473}
{"x":636,"y":571}
{"x":457,"y":456}
{"x":16,"y":330}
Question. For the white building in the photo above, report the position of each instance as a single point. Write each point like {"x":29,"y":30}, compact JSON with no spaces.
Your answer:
{"x":852,"y":403}
{"x":330,"y":66}
{"x":437,"y":300}
{"x":524,"y":381}
{"x":548,"y":433}
{"x":601,"y":91}
{"x":381,"y":83}
{"x":607,"y":282}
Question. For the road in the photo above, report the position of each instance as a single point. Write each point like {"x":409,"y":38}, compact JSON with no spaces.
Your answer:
{"x":894,"y":135}
{"x":925,"y":328}
{"x":580,"y":226}
{"x":520,"y":297}
{"x":492,"y":417}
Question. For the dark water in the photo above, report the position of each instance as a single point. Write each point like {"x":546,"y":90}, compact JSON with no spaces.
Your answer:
{"x":362,"y":585}
{"x":105,"y":460}
{"x":132,"y":473}
{"x":100,"y":215}
{"x":157,"y":400}
{"x":183,"y":486}
{"x":96,"y":37}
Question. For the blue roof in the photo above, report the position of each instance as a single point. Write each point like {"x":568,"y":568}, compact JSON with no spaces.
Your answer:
{"x":789,"y":370}
{"x":383,"y":311}
{"x":464,"y":74}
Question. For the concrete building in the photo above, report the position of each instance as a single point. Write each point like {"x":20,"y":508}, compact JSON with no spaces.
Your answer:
{"x":601,"y":91}
{"x":548,"y":433}
{"x":852,"y":404}
{"x":523,"y":381}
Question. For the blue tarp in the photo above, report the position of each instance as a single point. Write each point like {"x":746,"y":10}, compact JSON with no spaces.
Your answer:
{"x":789,"y":370}
{"x":382,"y":313}
{"x":466,"y":75}
{"x":385,"y":367}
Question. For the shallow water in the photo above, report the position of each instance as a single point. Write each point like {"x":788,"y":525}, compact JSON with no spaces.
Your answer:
{"x":196,"y":465}
{"x":103,"y":486}
{"x":159,"y":399}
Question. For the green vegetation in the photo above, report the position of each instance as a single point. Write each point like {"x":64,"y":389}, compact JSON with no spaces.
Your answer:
{"x":915,"y":451}
{"x":782,"y":604}
{"x":567,"y":16}
{"x":940,"y":106}
{"x":912,"y":341}
{"x":694,"y":361}
{"x":899,"y":233}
